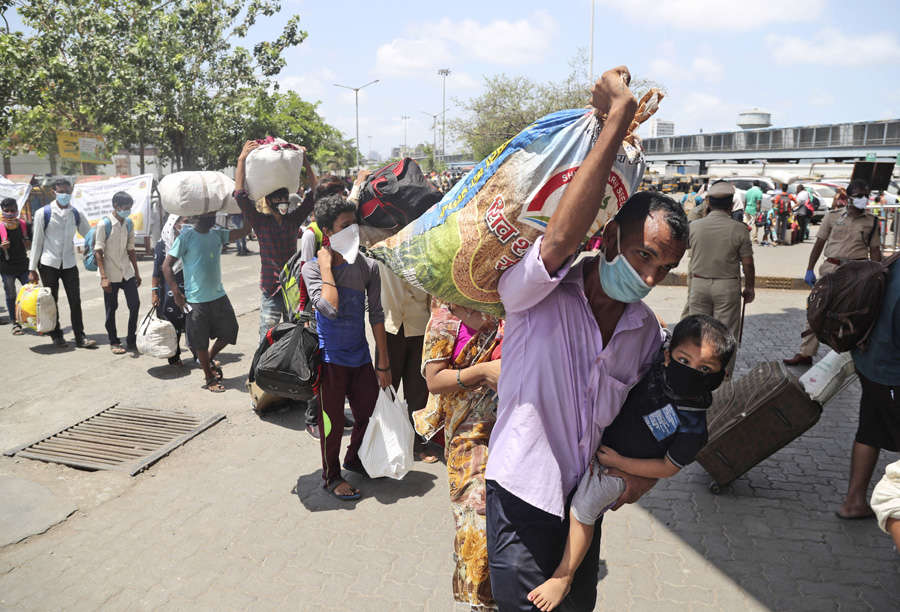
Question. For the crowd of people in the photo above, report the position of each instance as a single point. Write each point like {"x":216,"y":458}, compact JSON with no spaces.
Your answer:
{"x":575,"y":403}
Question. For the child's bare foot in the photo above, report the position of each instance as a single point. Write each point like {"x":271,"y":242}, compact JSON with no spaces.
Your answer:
{"x":550,"y":594}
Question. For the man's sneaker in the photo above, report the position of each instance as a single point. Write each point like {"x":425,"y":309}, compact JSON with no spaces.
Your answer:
{"x":313,"y":431}
{"x":83,"y":342}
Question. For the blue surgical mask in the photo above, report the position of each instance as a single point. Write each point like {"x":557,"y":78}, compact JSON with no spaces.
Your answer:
{"x":63,"y":199}
{"x":123,"y":213}
{"x":619,"y":279}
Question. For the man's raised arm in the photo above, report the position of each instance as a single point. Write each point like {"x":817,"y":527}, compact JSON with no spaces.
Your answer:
{"x":582,"y":199}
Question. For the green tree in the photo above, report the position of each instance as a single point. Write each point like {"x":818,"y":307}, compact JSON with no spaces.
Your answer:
{"x":138,"y":71}
{"x":510,"y":103}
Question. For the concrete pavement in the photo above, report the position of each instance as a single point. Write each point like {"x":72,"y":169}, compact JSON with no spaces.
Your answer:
{"x":236,"y":519}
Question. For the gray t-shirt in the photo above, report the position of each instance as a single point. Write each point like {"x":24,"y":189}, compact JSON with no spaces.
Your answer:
{"x":342,"y":331}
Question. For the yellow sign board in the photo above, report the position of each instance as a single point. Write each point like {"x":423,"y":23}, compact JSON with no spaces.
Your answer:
{"x":83,"y":147}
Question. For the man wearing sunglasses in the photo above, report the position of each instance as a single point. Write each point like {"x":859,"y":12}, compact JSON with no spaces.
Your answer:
{"x":846,"y":234}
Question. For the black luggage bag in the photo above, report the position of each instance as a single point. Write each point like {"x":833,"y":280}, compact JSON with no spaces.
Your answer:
{"x":752,"y":418}
{"x":287,"y":362}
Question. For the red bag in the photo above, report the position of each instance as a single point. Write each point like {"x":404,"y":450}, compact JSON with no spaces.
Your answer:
{"x":396,"y":194}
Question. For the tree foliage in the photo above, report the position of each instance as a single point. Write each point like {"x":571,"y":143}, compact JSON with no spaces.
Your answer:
{"x":510,"y":103}
{"x":169,"y":73}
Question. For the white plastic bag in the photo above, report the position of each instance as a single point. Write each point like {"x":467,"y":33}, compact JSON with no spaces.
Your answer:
{"x":272,"y":166}
{"x":157,"y":337}
{"x":387,"y":445}
{"x":828,"y":377}
{"x":36,"y":308}
{"x":197,"y":193}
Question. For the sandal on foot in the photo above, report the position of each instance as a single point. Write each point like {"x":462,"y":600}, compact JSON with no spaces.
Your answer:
{"x":117,"y":349}
{"x":214,"y":386}
{"x":17,"y":330}
{"x":332,"y":488}
{"x":217,"y":369}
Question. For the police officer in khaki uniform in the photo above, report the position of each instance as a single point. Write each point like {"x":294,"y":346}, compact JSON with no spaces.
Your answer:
{"x":720,"y":247}
{"x":846,"y":234}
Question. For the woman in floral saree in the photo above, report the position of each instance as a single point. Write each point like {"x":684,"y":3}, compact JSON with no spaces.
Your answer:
{"x":461,"y":364}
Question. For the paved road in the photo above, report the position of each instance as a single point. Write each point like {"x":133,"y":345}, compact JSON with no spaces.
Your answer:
{"x":236,"y":519}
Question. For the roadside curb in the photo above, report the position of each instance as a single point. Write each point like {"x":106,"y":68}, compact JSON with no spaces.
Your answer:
{"x":679,"y":279}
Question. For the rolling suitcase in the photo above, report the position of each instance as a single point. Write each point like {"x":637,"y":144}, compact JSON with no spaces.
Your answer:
{"x":752,"y":418}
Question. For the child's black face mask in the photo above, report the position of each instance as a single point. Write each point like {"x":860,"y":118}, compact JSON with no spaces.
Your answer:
{"x":685,"y":381}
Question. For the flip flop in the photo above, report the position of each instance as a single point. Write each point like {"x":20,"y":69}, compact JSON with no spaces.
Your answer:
{"x":858,"y":517}
{"x":214,"y":386}
{"x":117,"y":349}
{"x":334,"y":485}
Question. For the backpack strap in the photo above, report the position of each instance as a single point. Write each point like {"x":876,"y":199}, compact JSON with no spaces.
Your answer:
{"x":46,"y":210}
{"x":872,"y":231}
{"x":108,"y":225}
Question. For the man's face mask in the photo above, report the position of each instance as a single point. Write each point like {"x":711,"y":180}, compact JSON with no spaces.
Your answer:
{"x":346,"y":242}
{"x":619,"y":279}
{"x":859,"y":201}
{"x":63,"y":199}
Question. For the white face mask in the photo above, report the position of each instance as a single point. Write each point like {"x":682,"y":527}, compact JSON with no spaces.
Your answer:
{"x":283,"y":209}
{"x":860,"y":203}
{"x":346,"y":242}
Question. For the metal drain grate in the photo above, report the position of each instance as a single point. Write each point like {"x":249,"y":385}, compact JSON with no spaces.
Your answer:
{"x":124,"y":439}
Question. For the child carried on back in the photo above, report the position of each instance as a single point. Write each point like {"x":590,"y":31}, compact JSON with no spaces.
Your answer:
{"x":660,"y":429}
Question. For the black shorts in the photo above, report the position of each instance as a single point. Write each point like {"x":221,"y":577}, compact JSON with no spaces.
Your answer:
{"x":208,"y":320}
{"x":879,"y":415}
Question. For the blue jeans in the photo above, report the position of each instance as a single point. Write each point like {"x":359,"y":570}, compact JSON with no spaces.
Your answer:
{"x":9,"y":287}
{"x":271,"y":312}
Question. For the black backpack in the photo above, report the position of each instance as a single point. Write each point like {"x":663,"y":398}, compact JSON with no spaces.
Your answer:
{"x":394,"y":195}
{"x":843,"y":306}
{"x":287,"y":362}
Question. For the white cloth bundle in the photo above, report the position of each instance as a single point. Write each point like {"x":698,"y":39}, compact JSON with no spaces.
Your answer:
{"x":197,"y":193}
{"x":886,"y":496}
{"x":272,"y":166}
{"x":157,"y":337}
{"x":829,"y":376}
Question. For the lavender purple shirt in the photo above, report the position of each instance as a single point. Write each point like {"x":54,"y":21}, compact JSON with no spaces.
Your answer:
{"x":559,"y":385}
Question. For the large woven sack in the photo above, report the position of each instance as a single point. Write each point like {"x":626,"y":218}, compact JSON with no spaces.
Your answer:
{"x":36,"y":308}
{"x":157,"y":337}
{"x":197,"y":192}
{"x":274,"y":165}
{"x":457,"y":250}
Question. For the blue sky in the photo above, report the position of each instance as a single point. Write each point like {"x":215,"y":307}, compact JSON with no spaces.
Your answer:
{"x":806,"y":61}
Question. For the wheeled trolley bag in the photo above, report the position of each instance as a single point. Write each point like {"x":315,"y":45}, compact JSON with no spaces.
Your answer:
{"x":752,"y":418}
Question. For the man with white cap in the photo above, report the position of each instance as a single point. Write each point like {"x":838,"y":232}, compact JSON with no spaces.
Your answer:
{"x":846,"y":234}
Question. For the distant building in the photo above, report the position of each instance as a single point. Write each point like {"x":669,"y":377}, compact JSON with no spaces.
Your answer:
{"x":660,"y":127}
{"x":754,"y":119}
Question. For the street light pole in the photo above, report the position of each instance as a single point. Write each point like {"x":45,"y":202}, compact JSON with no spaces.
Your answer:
{"x":405,"y":118}
{"x":434,"y":117}
{"x":356,"y":95}
{"x":444,"y":73}
{"x":591,"y":61}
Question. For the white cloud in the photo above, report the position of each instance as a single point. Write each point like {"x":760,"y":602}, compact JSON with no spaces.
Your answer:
{"x":701,"y":110}
{"x":310,"y":86}
{"x":667,"y":71}
{"x":435,"y":45}
{"x":707,"y":69}
{"x":831,"y":47}
{"x":704,"y":15}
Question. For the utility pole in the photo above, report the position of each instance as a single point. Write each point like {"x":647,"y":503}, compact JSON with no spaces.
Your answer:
{"x":591,"y":61}
{"x":405,"y":118}
{"x":434,"y":117}
{"x":356,"y":95}
{"x":444,"y":73}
